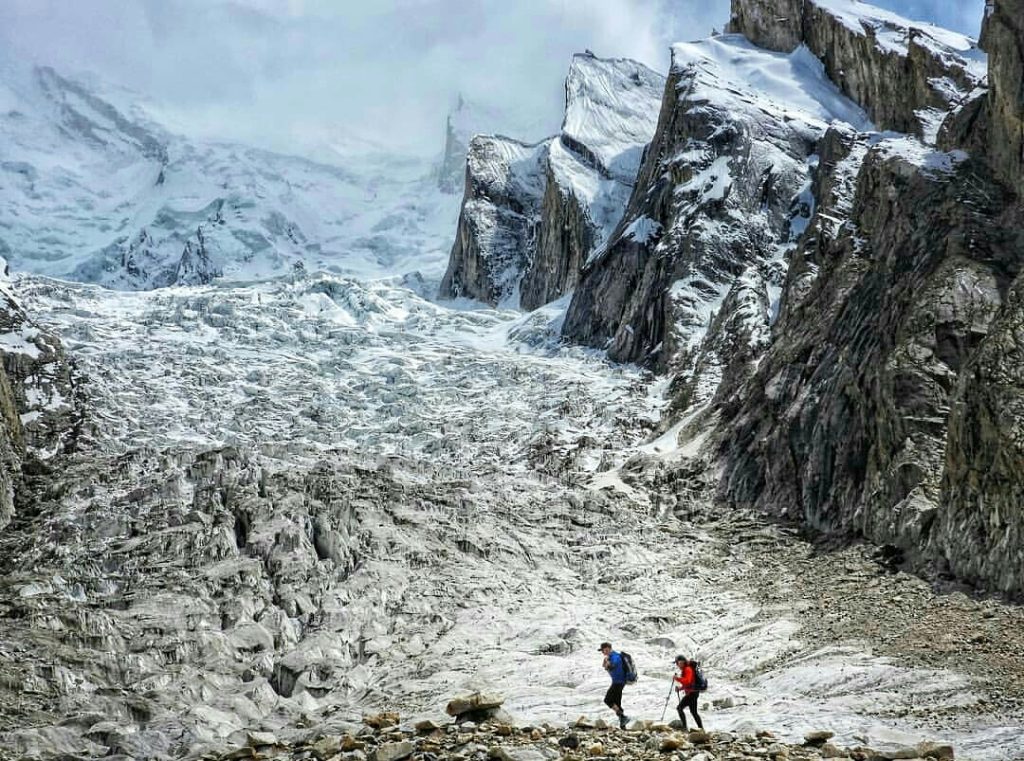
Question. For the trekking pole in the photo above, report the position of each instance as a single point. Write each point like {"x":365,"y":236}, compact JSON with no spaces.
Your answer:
{"x":668,"y":698}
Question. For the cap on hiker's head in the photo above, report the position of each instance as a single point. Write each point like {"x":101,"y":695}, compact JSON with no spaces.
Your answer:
{"x":603,"y":646}
{"x":680,"y":659}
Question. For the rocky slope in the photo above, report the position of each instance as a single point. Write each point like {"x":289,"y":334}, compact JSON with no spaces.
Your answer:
{"x":722,"y":195}
{"x":39,"y":405}
{"x":384,"y":737}
{"x":873,"y":412}
{"x":530,"y":221}
{"x":906,"y":75}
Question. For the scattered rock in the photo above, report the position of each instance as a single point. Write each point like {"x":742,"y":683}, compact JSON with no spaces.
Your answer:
{"x":256,"y":739}
{"x":470,"y":705}
{"x":381,"y":720}
{"x":819,"y":737}
{"x":394,"y":751}
{"x":506,"y":741}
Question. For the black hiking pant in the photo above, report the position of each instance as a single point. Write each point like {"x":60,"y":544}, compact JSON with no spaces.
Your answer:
{"x":613,"y":698}
{"x":689,"y":701}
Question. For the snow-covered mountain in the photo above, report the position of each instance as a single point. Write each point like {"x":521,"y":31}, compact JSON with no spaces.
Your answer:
{"x":716,"y":209}
{"x":533,"y":213}
{"x":94,"y":192}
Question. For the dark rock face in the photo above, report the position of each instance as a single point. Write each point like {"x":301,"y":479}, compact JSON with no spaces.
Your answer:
{"x":905,"y":76}
{"x":879,"y":357}
{"x":39,"y":408}
{"x":771,"y":24}
{"x":196,"y":266}
{"x":566,"y":237}
{"x":499,"y":219}
{"x":532,"y":215}
{"x":1003,"y":38}
{"x":980,"y":531}
{"x":453,"y":161}
{"x":707,"y":227}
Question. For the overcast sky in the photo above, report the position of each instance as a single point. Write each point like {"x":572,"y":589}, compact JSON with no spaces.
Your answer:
{"x":285,"y":73}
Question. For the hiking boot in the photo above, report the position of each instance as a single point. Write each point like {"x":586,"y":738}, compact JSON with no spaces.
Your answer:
{"x":623,"y":720}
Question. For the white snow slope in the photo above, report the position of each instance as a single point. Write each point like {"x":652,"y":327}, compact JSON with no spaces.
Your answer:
{"x":92,"y":192}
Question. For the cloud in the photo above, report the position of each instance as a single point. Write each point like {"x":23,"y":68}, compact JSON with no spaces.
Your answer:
{"x":287,"y":73}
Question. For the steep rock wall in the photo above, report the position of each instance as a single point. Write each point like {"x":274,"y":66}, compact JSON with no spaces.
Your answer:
{"x":906,"y":75}
{"x":498,"y":221}
{"x":535,"y":238}
{"x":39,"y":407}
{"x":566,"y":237}
{"x":1003,"y":38}
{"x":844,"y":426}
{"x":713,"y":214}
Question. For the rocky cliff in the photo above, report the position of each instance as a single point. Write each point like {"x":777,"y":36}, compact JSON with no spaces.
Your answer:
{"x":844,"y":426}
{"x":499,"y":219}
{"x":884,"y":405}
{"x":721,"y":196}
{"x":988,"y":123}
{"x":527,"y":228}
{"x":846,"y":300}
{"x":906,"y":75}
{"x":39,"y":405}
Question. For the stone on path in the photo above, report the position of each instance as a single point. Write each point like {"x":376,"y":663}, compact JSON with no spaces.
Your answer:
{"x":394,"y":751}
{"x":819,"y":737}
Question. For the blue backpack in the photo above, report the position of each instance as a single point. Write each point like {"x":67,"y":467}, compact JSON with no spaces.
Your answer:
{"x":628,"y":667}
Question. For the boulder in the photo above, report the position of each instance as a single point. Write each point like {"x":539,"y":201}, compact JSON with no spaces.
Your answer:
{"x":818,"y":737}
{"x":940,"y":751}
{"x":394,"y":751}
{"x":524,"y":753}
{"x":381,"y":720}
{"x":570,"y":741}
{"x":256,"y":739}
{"x":673,"y":742}
{"x":476,"y":702}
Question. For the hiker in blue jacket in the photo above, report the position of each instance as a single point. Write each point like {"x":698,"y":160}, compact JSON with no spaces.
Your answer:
{"x":614,"y":666}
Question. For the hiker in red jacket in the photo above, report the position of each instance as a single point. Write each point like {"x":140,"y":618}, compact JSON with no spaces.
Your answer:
{"x":686,"y":683}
